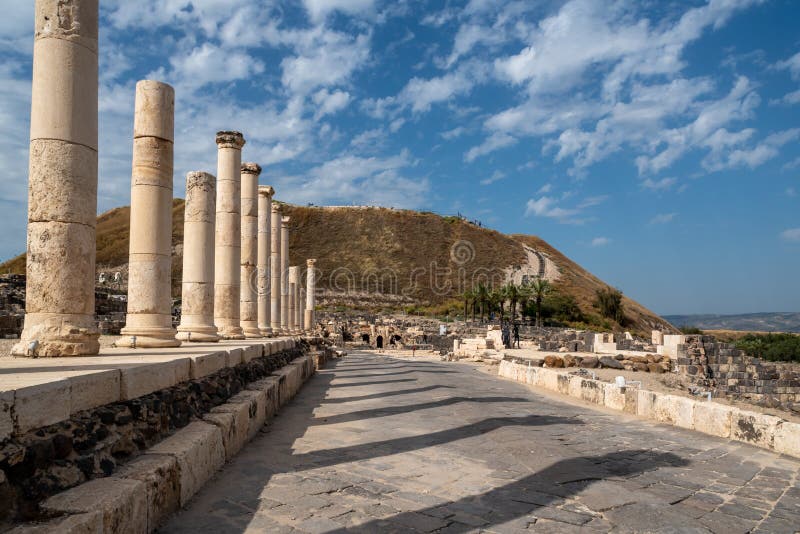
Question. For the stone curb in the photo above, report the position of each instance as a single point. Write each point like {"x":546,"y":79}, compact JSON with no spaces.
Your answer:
{"x":156,"y":484}
{"x":761,"y":430}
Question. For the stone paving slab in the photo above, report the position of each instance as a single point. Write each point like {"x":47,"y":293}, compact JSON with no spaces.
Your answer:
{"x":381,"y":444}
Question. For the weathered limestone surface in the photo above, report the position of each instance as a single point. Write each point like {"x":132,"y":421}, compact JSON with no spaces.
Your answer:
{"x":248,"y":305}
{"x":285,"y":275}
{"x":122,"y":503}
{"x":276,"y":270}
{"x":227,"y":243}
{"x":197,"y":313}
{"x":62,"y":192}
{"x":311,"y":287}
{"x":265,"y":193}
{"x":159,"y":473}
{"x":149,"y":319}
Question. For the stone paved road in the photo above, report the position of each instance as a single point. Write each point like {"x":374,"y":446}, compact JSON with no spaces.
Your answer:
{"x":380,"y":444}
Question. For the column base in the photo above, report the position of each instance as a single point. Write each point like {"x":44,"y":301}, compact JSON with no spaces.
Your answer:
{"x":148,"y":338}
{"x":252,"y":332}
{"x":231,"y":332}
{"x":266,"y":331}
{"x":57,"y":336}
{"x":198,"y":334}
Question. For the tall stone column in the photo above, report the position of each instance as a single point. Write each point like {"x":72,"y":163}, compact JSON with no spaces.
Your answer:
{"x":249,"y":289}
{"x":227,"y":237}
{"x":300,"y":306}
{"x":291,"y":324}
{"x":275,"y":269}
{"x":62,"y":189}
{"x":285,"y":274}
{"x":311,"y":287}
{"x":265,"y":193}
{"x":149,"y":319}
{"x":197,"y":309}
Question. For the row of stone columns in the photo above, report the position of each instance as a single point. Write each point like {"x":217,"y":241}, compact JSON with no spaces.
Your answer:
{"x":235,"y":240}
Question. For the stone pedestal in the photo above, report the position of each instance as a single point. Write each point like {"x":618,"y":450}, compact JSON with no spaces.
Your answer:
{"x":311,"y":288}
{"x":285,"y":275}
{"x":227,"y":236}
{"x":292,"y":306}
{"x":62,"y":190}
{"x":275,"y":268}
{"x":197,"y":314}
{"x":149,"y":320}
{"x":248,"y":306}
{"x":265,"y":193}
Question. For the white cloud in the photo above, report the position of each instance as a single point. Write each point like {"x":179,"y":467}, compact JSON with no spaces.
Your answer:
{"x":663,"y":218}
{"x":492,"y":143}
{"x":455,"y":132}
{"x":328,"y":102}
{"x":659,"y":185}
{"x":319,"y":9}
{"x":546,"y":207}
{"x":496,"y":176}
{"x":330,"y":61}
{"x":791,"y":64}
{"x":546,"y":188}
{"x":601,"y":241}
{"x":752,"y":157}
{"x":210,"y":64}
{"x":792,"y":235}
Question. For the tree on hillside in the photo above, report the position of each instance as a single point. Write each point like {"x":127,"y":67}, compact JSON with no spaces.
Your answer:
{"x":482,"y":296}
{"x":516,"y":294}
{"x":499,"y":300}
{"x":468,"y":297}
{"x":540,"y":287}
{"x":609,"y":301}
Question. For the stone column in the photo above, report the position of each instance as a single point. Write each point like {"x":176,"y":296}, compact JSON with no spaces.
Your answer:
{"x":291,"y":324}
{"x":197,"y":309}
{"x":149,"y":319}
{"x":285,"y":274}
{"x":62,"y":188}
{"x":265,"y":193}
{"x":227,"y":237}
{"x":275,"y":270}
{"x":311,"y":287}
{"x":300,"y":307}
{"x":249,"y":289}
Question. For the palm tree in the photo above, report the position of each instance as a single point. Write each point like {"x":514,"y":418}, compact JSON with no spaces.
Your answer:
{"x":499,"y":299}
{"x":467,"y":296}
{"x":482,"y":295}
{"x":539,"y":288}
{"x":513,"y":293}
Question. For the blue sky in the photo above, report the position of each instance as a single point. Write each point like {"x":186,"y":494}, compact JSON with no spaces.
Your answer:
{"x":656,"y":143}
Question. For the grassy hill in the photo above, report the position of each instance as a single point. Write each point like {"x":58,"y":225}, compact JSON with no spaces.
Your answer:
{"x":374,"y":251}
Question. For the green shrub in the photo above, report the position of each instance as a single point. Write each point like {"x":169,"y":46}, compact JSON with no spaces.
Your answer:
{"x":609,"y":302}
{"x":771,"y":347}
{"x":690,"y":330}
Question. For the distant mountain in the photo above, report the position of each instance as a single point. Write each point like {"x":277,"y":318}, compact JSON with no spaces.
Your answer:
{"x":762,"y":322}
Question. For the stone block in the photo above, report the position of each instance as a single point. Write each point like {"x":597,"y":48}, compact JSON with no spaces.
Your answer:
{"x":147,"y":378}
{"x":121,"y":502}
{"x":787,"y":439}
{"x":41,"y":405}
{"x":233,"y":357}
{"x":674,"y":410}
{"x":592,"y":391}
{"x":199,"y":452}
{"x":645,"y":403}
{"x":206,"y":364}
{"x":233,"y":420}
{"x":753,"y":427}
{"x":549,"y":379}
{"x":564,"y":383}
{"x":6,"y":423}
{"x":94,"y":389}
{"x":88,"y":523}
{"x":256,"y":403}
{"x":269,"y":386}
{"x":252,"y":352}
{"x":573,"y":384}
{"x":160,"y":475}
{"x":284,"y":376}
{"x":614,"y":397}
{"x":712,"y":418}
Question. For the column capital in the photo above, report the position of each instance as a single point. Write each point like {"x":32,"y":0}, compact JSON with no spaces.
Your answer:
{"x":200,"y":178}
{"x":285,"y":221}
{"x":266,"y":190}
{"x":251,"y":168}
{"x":310,"y":263}
{"x":230,"y":139}
{"x":276,"y":208}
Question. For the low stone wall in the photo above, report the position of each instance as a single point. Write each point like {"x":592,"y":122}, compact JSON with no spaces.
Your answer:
{"x":728,"y":371}
{"x":80,"y":452}
{"x":708,"y":417}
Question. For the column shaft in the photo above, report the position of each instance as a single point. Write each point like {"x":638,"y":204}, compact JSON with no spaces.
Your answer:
{"x":197,"y":308}
{"x":62,"y":189}
{"x":276,"y":268}
{"x":248,"y":306}
{"x":291,"y":321}
{"x":149,"y":319}
{"x":227,"y":237}
{"x":311,"y":287}
{"x":265,"y":193}
{"x":285,"y":274}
